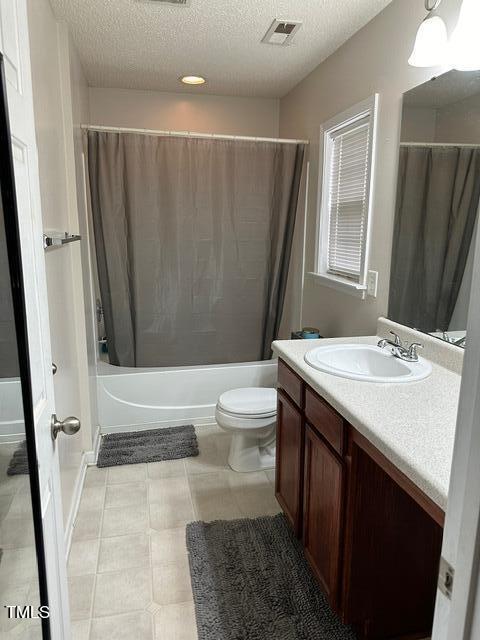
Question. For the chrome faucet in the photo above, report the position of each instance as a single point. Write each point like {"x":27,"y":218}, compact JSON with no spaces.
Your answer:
{"x":407,"y":352}
{"x":460,"y":342}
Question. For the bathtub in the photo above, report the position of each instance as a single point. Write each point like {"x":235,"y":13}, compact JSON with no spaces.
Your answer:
{"x":136,"y":398}
{"x":12,"y":427}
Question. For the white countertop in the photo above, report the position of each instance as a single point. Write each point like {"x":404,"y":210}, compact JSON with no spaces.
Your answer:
{"x":412,"y":424}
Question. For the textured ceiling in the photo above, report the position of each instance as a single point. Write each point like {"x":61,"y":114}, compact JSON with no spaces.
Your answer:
{"x":143,"y":44}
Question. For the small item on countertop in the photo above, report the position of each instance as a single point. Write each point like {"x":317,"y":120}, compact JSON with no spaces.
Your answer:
{"x":310,"y":333}
{"x":298,"y":335}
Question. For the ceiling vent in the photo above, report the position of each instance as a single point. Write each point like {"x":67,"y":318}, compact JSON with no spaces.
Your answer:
{"x":281,"y":32}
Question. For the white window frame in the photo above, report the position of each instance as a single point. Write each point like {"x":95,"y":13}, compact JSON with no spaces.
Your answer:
{"x":368,"y":107}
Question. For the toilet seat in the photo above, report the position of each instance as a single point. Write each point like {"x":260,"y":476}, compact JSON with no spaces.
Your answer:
{"x":252,"y":417}
{"x":239,"y":423}
{"x":250,"y":402}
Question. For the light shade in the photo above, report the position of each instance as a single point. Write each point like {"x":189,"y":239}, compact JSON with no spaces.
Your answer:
{"x":464,"y":51}
{"x":431,"y":44}
{"x":193,"y":80}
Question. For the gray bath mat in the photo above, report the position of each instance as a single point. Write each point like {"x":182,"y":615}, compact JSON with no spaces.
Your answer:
{"x":18,"y":464}
{"x":150,"y":445}
{"x":250,"y":581}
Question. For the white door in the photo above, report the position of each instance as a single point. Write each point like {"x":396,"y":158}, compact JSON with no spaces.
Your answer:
{"x":14,"y":45}
{"x":457,"y":614}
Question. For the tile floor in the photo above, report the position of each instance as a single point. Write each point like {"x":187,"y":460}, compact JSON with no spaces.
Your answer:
{"x":18,"y":564}
{"x":128,"y":567}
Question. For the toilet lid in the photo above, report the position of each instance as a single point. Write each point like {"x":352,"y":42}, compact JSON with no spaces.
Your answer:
{"x":251,"y":401}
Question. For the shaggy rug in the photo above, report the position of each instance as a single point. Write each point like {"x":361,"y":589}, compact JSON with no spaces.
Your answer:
{"x":18,"y":464}
{"x":251,"y":581}
{"x":149,"y":445}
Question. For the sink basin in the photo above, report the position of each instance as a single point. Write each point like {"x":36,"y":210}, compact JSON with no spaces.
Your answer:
{"x":366,"y":362}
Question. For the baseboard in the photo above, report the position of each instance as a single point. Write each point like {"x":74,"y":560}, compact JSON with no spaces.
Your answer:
{"x":77,"y":494}
{"x":88,"y":458}
{"x":91,"y":456}
{"x":12,"y":438}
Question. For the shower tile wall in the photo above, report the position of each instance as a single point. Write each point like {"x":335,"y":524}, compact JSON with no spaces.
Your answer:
{"x":128,"y":566}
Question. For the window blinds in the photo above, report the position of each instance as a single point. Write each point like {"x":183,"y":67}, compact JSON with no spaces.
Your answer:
{"x":348,"y":198}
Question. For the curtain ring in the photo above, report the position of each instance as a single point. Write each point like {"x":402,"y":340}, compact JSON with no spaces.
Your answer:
{"x":431,"y":5}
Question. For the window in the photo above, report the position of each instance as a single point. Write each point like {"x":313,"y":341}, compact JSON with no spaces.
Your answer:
{"x":344,"y":198}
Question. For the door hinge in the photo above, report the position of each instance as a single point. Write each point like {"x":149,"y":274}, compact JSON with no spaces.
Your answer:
{"x":445,"y":578}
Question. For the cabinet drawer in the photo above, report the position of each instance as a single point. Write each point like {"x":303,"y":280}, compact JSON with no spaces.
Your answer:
{"x":290,"y":383}
{"x":325,"y":420}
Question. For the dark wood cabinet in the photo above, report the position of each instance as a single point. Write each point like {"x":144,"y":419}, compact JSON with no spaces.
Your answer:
{"x":392,"y":552}
{"x":372,"y":538}
{"x":289,"y":460}
{"x":329,"y":424}
{"x":291,"y":384}
{"x":322,"y":513}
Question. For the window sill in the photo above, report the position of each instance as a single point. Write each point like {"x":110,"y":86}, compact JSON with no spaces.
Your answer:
{"x":340,"y":284}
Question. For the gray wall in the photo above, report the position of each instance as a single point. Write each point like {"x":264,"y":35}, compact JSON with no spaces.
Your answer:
{"x":459,"y":122}
{"x":184,"y":112}
{"x":419,"y":124}
{"x":373,"y":60}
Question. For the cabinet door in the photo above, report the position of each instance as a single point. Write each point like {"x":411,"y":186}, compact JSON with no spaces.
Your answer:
{"x":322,"y":513}
{"x":289,"y":460}
{"x":392,"y":551}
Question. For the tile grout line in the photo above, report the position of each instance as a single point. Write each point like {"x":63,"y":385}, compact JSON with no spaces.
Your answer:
{"x":190,"y":495}
{"x":150,"y":573}
{"x":98,"y":556}
{"x":98,"y":539}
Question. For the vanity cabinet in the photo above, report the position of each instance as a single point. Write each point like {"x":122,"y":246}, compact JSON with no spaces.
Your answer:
{"x":392,"y":552}
{"x":289,"y":460}
{"x":371,"y":537}
{"x":322,"y":512}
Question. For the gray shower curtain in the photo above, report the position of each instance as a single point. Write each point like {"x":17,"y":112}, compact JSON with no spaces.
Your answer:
{"x":193,"y":239}
{"x":437,"y":201}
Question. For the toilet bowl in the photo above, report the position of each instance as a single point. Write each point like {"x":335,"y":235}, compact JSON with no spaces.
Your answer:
{"x":249,"y":415}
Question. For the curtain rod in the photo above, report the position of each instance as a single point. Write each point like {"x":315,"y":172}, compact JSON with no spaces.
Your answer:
{"x":189,"y":134}
{"x":438,"y":144}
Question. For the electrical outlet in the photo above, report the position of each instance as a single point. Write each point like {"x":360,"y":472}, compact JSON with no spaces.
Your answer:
{"x":372,"y":283}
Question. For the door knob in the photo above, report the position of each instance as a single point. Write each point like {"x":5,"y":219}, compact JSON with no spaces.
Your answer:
{"x":69,"y":426}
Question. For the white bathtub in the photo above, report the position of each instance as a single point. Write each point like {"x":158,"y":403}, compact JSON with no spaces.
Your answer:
{"x":136,"y":398}
{"x":12,"y":427}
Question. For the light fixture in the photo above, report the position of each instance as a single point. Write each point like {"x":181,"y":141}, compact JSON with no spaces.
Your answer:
{"x":464,"y":48}
{"x":193,"y":80}
{"x":431,"y":43}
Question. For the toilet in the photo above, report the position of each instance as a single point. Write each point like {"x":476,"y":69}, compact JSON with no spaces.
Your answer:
{"x":249,"y":415}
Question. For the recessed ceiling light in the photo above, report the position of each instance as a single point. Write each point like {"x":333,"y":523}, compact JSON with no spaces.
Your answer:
{"x":193,"y":80}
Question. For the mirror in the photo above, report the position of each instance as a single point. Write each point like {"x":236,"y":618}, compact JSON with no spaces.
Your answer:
{"x":22,"y":574}
{"x":438,"y":194}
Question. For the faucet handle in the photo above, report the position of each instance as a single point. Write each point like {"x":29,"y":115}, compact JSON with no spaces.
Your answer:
{"x":396,"y":338}
{"x":412,"y":350}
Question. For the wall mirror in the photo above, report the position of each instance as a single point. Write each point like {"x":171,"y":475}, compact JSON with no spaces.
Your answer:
{"x":438,"y":193}
{"x":22,"y":567}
